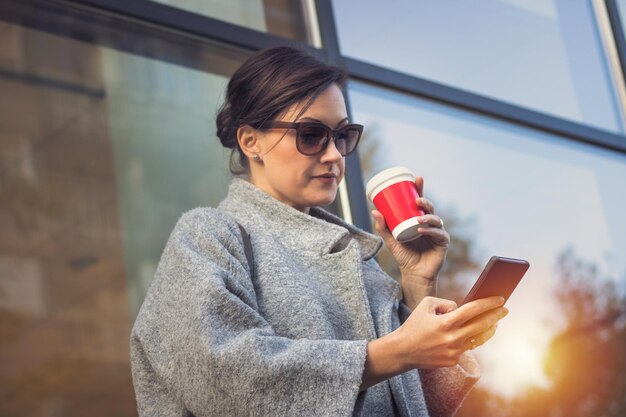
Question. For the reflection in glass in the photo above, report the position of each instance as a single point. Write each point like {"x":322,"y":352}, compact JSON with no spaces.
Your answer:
{"x":621,"y":8}
{"x":100,"y":152}
{"x":510,"y":191}
{"x":167,"y":159}
{"x":546,"y":55}
{"x":281,"y":17}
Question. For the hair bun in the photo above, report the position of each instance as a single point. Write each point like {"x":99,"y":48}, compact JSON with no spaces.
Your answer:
{"x":225,"y":129}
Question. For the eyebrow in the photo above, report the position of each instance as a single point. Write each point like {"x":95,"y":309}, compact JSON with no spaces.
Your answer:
{"x":342,"y":121}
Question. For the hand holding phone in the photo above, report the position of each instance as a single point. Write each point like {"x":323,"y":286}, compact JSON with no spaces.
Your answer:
{"x":499,"y":278}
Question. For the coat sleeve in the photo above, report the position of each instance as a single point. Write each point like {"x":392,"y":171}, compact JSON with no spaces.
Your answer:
{"x":446,"y":388}
{"x":199,"y":338}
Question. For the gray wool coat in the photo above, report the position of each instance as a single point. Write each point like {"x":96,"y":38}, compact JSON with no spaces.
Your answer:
{"x":210,"y":340}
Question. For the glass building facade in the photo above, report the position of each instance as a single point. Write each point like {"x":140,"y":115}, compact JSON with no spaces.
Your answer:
{"x":513,"y":111}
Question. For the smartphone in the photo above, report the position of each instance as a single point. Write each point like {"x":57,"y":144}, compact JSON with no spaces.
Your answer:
{"x":500,"y":277}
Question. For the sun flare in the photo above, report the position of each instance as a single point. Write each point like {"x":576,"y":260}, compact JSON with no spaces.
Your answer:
{"x":513,"y":361}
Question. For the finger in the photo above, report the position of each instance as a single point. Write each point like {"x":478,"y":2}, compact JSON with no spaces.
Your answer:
{"x":381,"y":226}
{"x":483,"y":322}
{"x":379,"y":222}
{"x":431,"y":220}
{"x":419,"y":183}
{"x":480,"y":339}
{"x":438,"y":236}
{"x":426,"y":205}
{"x":439,"y":305}
{"x":475,"y":308}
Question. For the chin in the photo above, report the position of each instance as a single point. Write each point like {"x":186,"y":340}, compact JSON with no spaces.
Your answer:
{"x":324,"y":200}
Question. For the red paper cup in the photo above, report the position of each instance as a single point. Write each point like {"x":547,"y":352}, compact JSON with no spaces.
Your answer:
{"x":393,"y":192}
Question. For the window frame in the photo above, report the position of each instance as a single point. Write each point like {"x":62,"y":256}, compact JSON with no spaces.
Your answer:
{"x":204,"y":28}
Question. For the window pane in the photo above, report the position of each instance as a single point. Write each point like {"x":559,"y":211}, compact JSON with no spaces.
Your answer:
{"x":510,"y":191}
{"x":101,"y":151}
{"x":621,"y":7}
{"x":545,"y":55}
{"x":280,"y":17}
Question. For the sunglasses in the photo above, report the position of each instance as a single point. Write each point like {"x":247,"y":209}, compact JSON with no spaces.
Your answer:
{"x":313,"y":137}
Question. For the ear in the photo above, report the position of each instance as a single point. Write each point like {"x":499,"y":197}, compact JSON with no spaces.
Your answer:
{"x":247,"y":136}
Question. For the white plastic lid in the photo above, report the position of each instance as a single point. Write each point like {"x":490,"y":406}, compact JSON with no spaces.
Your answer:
{"x":386,"y":178}
{"x":407,"y":230}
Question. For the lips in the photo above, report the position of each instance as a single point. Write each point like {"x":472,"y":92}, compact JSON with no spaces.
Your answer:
{"x":329,"y":175}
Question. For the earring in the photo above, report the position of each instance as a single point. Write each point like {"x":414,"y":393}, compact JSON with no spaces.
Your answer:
{"x":256,"y":157}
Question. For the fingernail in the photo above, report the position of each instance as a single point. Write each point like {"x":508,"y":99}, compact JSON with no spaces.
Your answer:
{"x":501,"y":300}
{"x":422,"y":219}
{"x":506,"y":311}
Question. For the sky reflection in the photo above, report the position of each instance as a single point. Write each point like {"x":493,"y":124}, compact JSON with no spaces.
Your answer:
{"x":528,"y":195}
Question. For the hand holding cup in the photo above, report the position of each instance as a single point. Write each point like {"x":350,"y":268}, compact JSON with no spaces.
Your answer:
{"x":413,"y":234}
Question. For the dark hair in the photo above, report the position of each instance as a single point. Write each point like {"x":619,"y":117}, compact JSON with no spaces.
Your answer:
{"x":266,"y":85}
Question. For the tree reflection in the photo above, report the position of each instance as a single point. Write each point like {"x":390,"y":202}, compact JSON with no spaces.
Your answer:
{"x":460,"y":258}
{"x":586,"y":359}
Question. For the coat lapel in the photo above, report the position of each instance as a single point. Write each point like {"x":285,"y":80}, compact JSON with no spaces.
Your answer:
{"x":329,"y":252}
{"x":319,"y":233}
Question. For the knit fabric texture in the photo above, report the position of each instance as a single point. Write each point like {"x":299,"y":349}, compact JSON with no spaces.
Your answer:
{"x":210,"y":340}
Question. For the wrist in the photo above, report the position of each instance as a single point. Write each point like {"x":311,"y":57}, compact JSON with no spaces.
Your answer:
{"x":386,"y":358}
{"x":409,"y":275}
{"x":413,"y":291}
{"x":400,"y":351}
{"x":393,"y":352}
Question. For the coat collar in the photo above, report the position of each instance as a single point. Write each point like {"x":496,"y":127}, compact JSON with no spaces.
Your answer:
{"x":319,"y":232}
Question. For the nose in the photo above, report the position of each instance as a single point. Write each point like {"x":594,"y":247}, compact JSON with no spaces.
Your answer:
{"x":331,"y":153}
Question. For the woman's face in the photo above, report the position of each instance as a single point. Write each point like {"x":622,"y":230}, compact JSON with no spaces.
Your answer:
{"x":299,"y":180}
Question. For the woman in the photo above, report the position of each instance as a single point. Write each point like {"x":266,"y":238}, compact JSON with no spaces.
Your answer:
{"x":315,"y":327}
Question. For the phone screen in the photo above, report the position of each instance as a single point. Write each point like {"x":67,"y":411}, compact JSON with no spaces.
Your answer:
{"x":500,"y":277}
